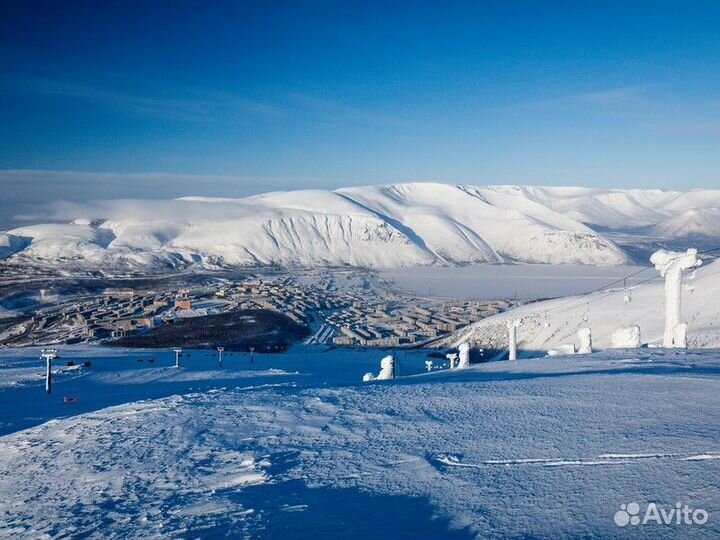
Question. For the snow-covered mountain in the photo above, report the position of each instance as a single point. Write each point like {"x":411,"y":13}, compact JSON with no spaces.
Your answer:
{"x":554,"y":323}
{"x":375,"y":226}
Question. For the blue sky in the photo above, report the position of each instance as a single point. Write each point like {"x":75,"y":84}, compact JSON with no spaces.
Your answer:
{"x":252,"y":96}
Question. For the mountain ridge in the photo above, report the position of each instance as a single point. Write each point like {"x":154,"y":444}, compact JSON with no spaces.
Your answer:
{"x":393,"y":225}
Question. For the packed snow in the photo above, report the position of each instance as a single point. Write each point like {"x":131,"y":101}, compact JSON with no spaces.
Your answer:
{"x":400,"y":225}
{"x":288,"y":448}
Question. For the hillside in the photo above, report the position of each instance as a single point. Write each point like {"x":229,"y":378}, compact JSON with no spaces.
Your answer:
{"x":374,"y":226}
{"x":552,"y":323}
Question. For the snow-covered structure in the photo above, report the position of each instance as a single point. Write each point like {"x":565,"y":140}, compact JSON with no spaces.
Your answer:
{"x":627,"y":337}
{"x":585,"y":337}
{"x":453,"y":359}
{"x":680,"y":337}
{"x":513,"y":325}
{"x":48,"y":355}
{"x":671,"y":265}
{"x":178,"y":352}
{"x":387,"y":370}
{"x":464,"y":350}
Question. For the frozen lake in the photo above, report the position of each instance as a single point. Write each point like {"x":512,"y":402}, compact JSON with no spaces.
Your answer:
{"x":490,"y":281}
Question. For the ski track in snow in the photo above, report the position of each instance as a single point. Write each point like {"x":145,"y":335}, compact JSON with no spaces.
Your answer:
{"x":550,"y":448}
{"x":603,"y":459}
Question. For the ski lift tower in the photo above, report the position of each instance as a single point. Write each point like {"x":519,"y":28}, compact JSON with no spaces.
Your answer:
{"x":178,"y":352}
{"x":671,"y":265}
{"x":48,"y":355}
{"x":220,"y":355}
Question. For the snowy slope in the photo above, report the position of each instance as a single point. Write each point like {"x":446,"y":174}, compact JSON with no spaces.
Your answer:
{"x":695,"y":222}
{"x":374,"y":226}
{"x":545,"y":448}
{"x":11,"y":244}
{"x":552,"y":323}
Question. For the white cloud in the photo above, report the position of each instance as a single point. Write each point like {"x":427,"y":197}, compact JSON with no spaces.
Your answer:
{"x":26,"y":193}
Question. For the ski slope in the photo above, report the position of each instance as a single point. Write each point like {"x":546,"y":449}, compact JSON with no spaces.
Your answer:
{"x":294,"y":446}
{"x":401,"y":225}
{"x":553,"y":323}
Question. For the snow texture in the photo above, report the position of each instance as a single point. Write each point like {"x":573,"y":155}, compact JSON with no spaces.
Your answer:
{"x":542,"y":448}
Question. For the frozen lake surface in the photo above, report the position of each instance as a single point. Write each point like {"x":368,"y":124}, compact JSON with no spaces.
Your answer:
{"x":492,"y":281}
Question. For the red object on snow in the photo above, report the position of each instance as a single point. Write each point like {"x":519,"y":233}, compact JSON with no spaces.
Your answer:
{"x":68,"y":399}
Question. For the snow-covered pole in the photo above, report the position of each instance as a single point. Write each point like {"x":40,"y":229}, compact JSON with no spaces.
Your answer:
{"x":387,"y":368}
{"x":48,"y":355}
{"x":585,"y":335}
{"x":452,"y":358}
{"x":220,"y":355}
{"x":512,"y":338}
{"x":680,"y":336}
{"x":178,"y":352}
{"x":464,"y":351}
{"x":671,"y":266}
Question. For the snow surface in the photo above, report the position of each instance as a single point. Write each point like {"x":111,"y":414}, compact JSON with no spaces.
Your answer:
{"x":541,"y":448}
{"x":400,"y":225}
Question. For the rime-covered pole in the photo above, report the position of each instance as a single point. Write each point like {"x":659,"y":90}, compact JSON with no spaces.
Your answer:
{"x":387,"y":368}
{"x":220,"y":355}
{"x":464,"y":350}
{"x":48,"y":355}
{"x":671,"y":266}
{"x":512,"y":338}
{"x":585,"y":336}
{"x":178,"y":352}
{"x":680,"y":337}
{"x":48,"y":375}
